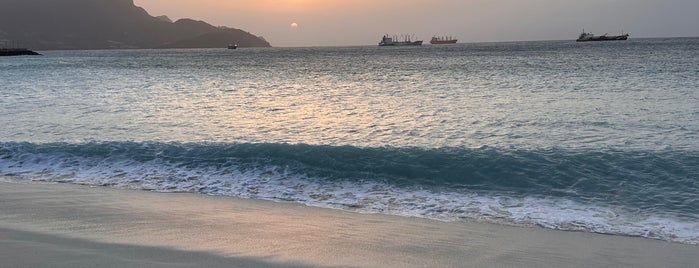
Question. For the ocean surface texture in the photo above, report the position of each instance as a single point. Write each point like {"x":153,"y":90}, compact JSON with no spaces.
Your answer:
{"x":595,"y":137}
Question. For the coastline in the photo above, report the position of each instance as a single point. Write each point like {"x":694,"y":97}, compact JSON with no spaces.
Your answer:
{"x":73,"y":225}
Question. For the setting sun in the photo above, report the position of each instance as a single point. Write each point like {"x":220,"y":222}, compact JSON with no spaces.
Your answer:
{"x":294,"y":25}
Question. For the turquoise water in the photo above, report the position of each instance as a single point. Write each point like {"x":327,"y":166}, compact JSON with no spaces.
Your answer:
{"x":598,"y":137}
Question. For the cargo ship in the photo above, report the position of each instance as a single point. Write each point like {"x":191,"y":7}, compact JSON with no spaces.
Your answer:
{"x":441,"y":40}
{"x":585,"y":37}
{"x":393,"y":41}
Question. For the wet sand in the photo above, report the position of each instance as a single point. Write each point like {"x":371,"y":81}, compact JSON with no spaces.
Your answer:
{"x":63,"y":225}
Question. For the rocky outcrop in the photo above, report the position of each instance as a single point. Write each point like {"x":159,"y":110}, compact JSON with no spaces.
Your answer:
{"x":16,"y":52}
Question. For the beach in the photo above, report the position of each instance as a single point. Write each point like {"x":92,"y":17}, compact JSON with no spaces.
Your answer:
{"x":65,"y":225}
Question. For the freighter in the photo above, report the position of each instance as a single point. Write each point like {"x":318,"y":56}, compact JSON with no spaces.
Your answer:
{"x":585,"y":37}
{"x":441,"y":40}
{"x":393,"y":41}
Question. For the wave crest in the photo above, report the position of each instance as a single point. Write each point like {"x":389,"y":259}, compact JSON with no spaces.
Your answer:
{"x":650,"y":194}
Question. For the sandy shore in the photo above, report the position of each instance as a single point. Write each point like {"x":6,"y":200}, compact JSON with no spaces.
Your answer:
{"x":62,"y":225}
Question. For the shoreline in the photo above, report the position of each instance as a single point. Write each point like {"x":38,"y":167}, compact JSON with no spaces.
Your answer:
{"x":105,"y":226}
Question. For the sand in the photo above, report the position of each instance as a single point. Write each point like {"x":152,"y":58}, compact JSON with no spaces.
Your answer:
{"x":64,"y":225}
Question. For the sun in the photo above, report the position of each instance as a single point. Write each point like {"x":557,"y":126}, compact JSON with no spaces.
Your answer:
{"x":294,"y":25}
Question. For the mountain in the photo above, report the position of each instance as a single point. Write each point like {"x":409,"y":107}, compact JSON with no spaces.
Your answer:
{"x":107,"y":24}
{"x":164,"y":18}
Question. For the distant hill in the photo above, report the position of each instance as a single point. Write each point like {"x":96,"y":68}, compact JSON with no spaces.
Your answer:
{"x":107,"y":24}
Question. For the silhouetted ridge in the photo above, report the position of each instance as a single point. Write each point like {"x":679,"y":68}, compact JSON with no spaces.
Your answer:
{"x":107,"y":24}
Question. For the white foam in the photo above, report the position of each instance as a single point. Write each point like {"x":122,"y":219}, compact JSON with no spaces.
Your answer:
{"x":281,"y":184}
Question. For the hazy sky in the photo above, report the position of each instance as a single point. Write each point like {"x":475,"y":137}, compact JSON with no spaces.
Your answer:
{"x":363,"y":22}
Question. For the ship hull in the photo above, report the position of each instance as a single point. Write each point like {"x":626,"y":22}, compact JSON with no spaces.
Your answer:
{"x":604,"y":38}
{"x":398,"y":44}
{"x":443,"y":42}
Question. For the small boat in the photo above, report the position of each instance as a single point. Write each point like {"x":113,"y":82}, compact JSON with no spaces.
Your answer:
{"x":232,"y":46}
{"x":392,"y":41}
{"x":441,"y":40}
{"x":586,"y":37}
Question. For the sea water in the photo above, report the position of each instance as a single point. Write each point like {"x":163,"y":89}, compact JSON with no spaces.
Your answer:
{"x":595,"y":137}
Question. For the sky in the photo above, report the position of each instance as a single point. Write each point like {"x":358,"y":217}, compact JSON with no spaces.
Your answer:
{"x":295,"y":23}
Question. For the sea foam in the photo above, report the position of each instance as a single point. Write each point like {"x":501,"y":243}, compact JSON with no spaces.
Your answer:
{"x":273,"y":172}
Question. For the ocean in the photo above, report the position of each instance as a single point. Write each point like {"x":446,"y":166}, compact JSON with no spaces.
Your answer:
{"x":595,"y":137}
